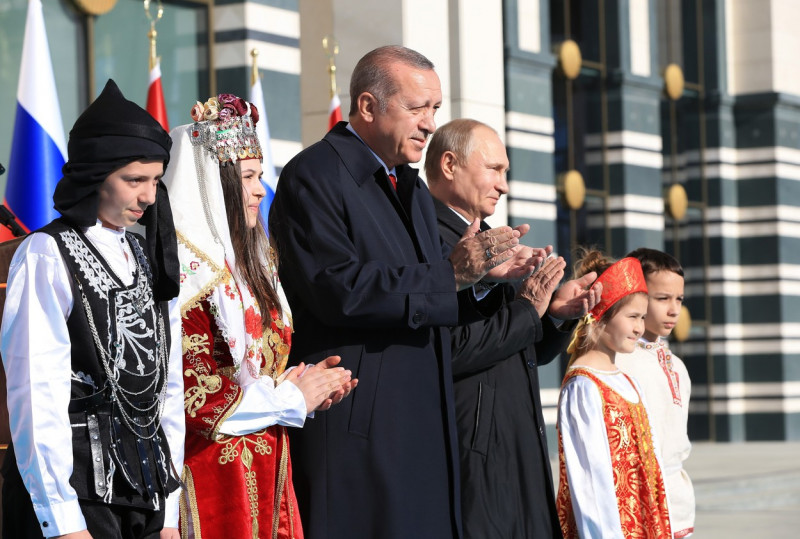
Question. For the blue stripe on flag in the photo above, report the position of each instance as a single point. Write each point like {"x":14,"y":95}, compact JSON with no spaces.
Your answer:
{"x":270,"y":179}
{"x":33,"y":171}
{"x":266,"y":203}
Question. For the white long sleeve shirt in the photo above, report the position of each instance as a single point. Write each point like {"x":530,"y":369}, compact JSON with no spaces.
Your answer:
{"x":36,"y":354}
{"x":668,"y":411}
{"x":264,"y":404}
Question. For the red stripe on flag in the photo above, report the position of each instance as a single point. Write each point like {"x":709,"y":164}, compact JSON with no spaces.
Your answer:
{"x":155,"y":102}
{"x":335,"y":118}
{"x":334,"y":112}
{"x":5,"y":232}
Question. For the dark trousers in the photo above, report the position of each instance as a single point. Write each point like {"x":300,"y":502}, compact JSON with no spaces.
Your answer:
{"x":104,"y":521}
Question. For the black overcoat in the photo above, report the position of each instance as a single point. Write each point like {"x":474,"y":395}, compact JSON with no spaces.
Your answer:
{"x":367,"y":278}
{"x":506,"y":482}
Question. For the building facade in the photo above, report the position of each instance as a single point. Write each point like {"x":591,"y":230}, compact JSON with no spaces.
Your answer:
{"x":680,"y":119}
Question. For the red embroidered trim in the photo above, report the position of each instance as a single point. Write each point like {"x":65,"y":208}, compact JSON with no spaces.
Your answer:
{"x":665,"y":360}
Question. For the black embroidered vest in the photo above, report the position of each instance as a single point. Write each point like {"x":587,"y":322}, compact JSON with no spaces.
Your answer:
{"x":120,"y":351}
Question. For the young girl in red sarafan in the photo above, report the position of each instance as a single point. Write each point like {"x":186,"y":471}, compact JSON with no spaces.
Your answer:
{"x":610,"y":480}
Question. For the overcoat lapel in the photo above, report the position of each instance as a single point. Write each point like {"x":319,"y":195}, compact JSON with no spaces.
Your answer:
{"x":405,"y":233}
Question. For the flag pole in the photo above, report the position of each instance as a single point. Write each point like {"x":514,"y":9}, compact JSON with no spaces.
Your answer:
{"x":152,"y":34}
{"x":156,"y":105}
{"x":254,"y":67}
{"x":331,"y":47}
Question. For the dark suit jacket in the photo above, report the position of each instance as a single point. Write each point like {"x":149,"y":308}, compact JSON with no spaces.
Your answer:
{"x":367,"y":278}
{"x":506,"y":482}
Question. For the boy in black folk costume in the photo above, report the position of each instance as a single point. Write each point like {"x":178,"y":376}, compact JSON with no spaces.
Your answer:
{"x":92,"y":359}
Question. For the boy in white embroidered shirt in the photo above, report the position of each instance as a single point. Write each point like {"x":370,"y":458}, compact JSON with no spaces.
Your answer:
{"x":665,"y":381}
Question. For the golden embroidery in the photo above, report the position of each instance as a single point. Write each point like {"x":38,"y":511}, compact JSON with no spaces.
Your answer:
{"x":262,"y":447}
{"x":269,"y":361}
{"x":188,"y":504}
{"x":274,"y":347}
{"x":195,"y":397}
{"x":232,"y":398}
{"x":228,"y":372}
{"x":624,"y":436}
{"x":231,"y":451}
{"x":281,"y":490}
{"x":196,"y":351}
{"x":252,"y":494}
{"x":196,"y":344}
{"x":220,"y":275}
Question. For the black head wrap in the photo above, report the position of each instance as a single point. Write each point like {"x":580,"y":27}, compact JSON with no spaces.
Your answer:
{"x":111,"y":133}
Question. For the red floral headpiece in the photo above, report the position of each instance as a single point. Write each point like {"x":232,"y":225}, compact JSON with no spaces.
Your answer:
{"x":621,"y":279}
{"x":225,"y":126}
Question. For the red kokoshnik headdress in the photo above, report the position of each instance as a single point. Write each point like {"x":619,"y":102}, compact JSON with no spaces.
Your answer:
{"x":621,"y":279}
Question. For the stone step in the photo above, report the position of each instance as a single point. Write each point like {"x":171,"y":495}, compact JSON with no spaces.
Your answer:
{"x":774,"y":499}
{"x":766,"y":491}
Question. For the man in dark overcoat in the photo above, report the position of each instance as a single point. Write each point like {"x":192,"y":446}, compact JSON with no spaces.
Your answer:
{"x":506,"y":482}
{"x":368,"y":279}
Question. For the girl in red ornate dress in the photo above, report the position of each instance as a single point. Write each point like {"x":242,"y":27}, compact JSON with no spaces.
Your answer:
{"x":610,"y":480}
{"x":236,"y":336}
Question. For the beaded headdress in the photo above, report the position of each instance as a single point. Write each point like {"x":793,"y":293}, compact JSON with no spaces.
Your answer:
{"x":225,"y":126}
{"x":621,"y":279}
{"x":205,"y":247}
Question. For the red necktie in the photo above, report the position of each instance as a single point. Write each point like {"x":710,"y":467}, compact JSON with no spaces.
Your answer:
{"x":393,"y":179}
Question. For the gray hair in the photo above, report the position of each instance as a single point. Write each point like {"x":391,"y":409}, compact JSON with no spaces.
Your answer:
{"x":455,"y":136}
{"x":372,"y":73}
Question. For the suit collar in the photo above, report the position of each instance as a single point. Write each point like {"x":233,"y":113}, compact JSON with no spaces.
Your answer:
{"x":358,"y":158}
{"x":448,"y":217}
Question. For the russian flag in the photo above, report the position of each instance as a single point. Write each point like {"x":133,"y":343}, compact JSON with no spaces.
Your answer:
{"x":334,"y":112}
{"x":270,"y":180}
{"x":38,"y":146}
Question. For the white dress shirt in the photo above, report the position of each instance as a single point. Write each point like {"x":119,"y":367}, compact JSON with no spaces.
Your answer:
{"x":669,"y":417}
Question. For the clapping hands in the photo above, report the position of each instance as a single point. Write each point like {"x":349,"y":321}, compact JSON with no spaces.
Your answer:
{"x":323,"y":384}
{"x":574,"y":299}
{"x":477,"y":253}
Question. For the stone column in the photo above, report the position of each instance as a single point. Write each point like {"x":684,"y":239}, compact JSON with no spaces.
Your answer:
{"x":272,"y":27}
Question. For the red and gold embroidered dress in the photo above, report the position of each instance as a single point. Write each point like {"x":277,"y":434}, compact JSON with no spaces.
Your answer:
{"x":635,"y":482}
{"x":237,"y":468}
{"x":224,"y":474}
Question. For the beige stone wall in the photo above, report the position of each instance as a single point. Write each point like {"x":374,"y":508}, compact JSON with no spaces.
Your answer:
{"x":463,"y":38}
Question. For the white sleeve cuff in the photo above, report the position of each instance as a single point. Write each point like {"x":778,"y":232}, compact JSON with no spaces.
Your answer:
{"x":297,"y":411}
{"x":171,"y":508}
{"x":60,"y":518}
{"x":263,"y":404}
